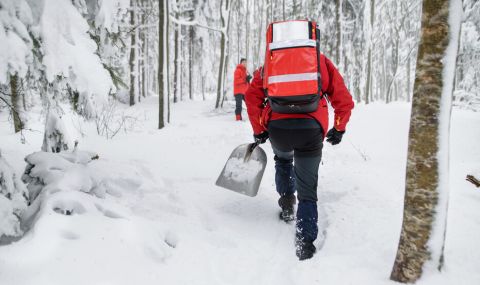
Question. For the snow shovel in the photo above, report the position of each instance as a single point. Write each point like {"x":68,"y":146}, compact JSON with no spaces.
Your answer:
{"x":244,"y":169}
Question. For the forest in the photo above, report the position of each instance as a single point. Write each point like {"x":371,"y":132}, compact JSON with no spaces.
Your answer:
{"x":116,"y":117}
{"x":374,"y":44}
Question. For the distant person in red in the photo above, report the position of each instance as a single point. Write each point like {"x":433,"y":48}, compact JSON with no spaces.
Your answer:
{"x":241,"y":81}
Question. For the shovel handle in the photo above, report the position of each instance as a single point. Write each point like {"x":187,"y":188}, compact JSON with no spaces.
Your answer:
{"x":249,"y":152}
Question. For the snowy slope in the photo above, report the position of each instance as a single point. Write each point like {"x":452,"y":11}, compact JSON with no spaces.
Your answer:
{"x":166,"y":222}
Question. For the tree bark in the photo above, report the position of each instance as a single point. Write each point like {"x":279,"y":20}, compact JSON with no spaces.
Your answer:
{"x":338,"y":45}
{"x":368,"y":88}
{"x":220,"y":71}
{"x":221,"y":68}
{"x":143,"y":34}
{"x":408,"y":79}
{"x":190,"y":76}
{"x":167,"y":58}
{"x":132,"y":52}
{"x":181,"y":63}
{"x":161,"y":61}
{"x":426,"y":197}
{"x":24,"y":101}
{"x":247,"y":34}
{"x":175,"y":62}
{"x":262,"y":13}
{"x":17,"y":122}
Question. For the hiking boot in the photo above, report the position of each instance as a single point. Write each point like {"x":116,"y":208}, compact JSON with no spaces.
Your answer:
{"x":287,"y":203}
{"x":238,"y":117}
{"x":287,"y":214}
{"x":304,"y":249}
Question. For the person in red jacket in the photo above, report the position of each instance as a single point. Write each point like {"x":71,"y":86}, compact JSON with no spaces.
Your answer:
{"x":298,"y":138}
{"x":241,"y":79}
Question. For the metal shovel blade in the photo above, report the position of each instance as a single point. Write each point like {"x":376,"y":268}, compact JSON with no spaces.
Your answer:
{"x":244,"y":169}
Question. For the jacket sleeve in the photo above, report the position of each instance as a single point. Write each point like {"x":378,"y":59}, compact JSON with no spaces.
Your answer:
{"x":254,"y":99}
{"x":236,"y":77}
{"x":339,"y":97}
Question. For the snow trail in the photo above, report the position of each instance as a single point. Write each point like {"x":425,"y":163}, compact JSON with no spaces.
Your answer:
{"x":170,"y":224}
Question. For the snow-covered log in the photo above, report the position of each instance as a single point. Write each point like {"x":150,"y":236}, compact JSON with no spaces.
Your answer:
{"x":51,"y":172}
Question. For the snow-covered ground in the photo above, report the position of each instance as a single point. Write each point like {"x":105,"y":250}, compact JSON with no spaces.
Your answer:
{"x":164,"y":222}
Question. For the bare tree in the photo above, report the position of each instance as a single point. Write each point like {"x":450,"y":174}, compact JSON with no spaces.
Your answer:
{"x":161,"y":61}
{"x":368,"y":87}
{"x":176,"y":57}
{"x":133,"y":43}
{"x":224,"y":19}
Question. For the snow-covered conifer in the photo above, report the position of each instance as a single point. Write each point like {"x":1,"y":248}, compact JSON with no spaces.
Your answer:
{"x":13,"y":200}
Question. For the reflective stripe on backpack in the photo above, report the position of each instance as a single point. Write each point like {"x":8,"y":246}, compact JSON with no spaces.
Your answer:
{"x":293,"y":77}
{"x":292,"y":43}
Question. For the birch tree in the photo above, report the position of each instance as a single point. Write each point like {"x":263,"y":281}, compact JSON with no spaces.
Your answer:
{"x":224,"y":20}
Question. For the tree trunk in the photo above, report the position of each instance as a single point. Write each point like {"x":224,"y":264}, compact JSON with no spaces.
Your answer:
{"x":175,"y":63}
{"x":220,"y":71}
{"x":239,"y":24}
{"x":384,"y":73}
{"x":260,"y":34}
{"x":181,"y":63}
{"x":203,"y":87}
{"x":408,"y":79}
{"x":227,"y":59}
{"x":17,"y":122}
{"x":161,"y":61}
{"x":190,"y":76}
{"x":143,"y":33}
{"x":338,"y":45}
{"x":247,"y":34}
{"x":221,"y":68}
{"x":368,"y":88}
{"x":167,"y":58}
{"x":132,"y":52}
{"x":24,"y":101}
{"x":426,"y":194}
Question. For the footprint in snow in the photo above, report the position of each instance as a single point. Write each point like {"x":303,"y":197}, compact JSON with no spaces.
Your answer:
{"x":68,"y":208}
{"x":108,"y":213}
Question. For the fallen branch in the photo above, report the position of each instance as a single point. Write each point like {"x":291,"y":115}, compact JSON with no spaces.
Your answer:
{"x":473,"y":180}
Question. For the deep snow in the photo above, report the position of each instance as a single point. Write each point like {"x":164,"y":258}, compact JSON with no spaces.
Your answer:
{"x":167,"y":223}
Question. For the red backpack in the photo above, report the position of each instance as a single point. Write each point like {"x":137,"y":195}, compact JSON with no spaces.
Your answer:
{"x":291,"y":74}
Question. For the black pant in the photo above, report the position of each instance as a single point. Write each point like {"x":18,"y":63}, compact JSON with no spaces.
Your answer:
{"x":299,"y":141}
{"x":238,"y":103}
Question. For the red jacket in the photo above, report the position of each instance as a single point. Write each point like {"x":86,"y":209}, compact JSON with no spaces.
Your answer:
{"x":240,"y":83}
{"x":332,"y":86}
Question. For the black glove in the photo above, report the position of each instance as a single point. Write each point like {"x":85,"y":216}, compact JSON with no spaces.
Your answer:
{"x":334,"y":137}
{"x":249,"y":77}
{"x":261,"y":138}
